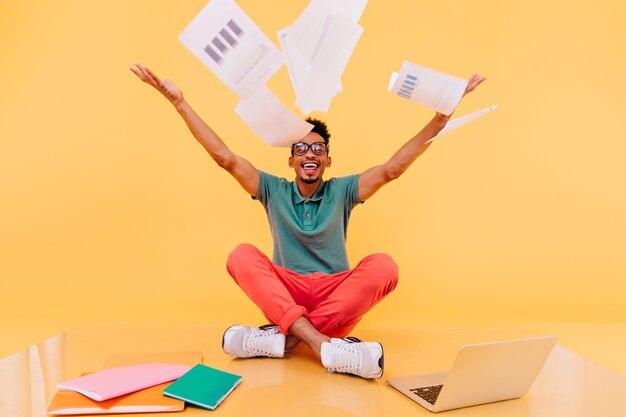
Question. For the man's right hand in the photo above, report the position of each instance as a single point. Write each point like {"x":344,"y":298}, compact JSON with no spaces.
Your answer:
{"x":167,"y":88}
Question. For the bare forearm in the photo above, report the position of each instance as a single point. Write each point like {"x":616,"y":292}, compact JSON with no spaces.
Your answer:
{"x":409,"y":152}
{"x":205,"y":135}
{"x":372,"y":179}
{"x":242,"y":170}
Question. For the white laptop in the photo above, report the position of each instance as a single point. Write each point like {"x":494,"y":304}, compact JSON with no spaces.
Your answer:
{"x":481,"y":373}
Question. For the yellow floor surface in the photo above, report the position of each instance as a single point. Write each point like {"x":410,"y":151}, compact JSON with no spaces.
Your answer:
{"x":299,"y":385}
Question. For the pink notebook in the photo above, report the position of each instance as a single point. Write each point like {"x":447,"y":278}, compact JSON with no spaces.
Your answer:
{"x":113,"y":382}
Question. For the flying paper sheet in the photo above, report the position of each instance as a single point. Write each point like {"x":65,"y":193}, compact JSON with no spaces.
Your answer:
{"x":317,"y":47}
{"x":433,"y":89}
{"x":308,"y":31}
{"x":298,"y":65}
{"x":271,"y":120}
{"x":328,"y":65}
{"x":460,"y":121}
{"x":227,"y":41}
{"x":311,"y":26}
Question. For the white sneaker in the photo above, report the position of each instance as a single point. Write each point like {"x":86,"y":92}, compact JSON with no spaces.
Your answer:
{"x":353,"y":356}
{"x":249,"y":342}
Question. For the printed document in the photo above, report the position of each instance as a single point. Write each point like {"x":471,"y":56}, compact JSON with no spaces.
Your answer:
{"x":227,"y":41}
{"x":433,"y":89}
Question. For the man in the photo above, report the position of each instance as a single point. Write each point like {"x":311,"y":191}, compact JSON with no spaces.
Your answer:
{"x":308,"y":292}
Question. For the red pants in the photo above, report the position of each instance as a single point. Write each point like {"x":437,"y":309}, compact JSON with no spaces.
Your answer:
{"x":333,"y":303}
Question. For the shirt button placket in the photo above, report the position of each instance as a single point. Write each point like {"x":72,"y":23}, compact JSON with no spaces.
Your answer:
{"x":307,"y":216}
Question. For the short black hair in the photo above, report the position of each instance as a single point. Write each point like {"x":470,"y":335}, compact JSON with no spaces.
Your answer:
{"x":320,"y":128}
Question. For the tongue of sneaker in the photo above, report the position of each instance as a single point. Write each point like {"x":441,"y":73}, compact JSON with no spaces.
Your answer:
{"x":329,"y":352}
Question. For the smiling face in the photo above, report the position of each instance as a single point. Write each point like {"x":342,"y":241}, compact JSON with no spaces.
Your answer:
{"x":309,"y":167}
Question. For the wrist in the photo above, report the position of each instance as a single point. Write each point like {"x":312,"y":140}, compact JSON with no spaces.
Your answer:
{"x":180,"y":104}
{"x":442,"y":117}
{"x":441,"y":120}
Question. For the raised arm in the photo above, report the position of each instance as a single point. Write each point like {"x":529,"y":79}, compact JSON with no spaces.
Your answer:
{"x":242,"y":170}
{"x":374,"y":178}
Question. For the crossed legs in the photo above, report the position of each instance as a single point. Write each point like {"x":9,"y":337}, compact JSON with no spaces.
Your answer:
{"x":316,"y":307}
{"x":303,"y":330}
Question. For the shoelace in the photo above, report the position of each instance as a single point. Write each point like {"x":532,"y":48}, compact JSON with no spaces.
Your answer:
{"x":259,"y":341}
{"x":347,"y":358}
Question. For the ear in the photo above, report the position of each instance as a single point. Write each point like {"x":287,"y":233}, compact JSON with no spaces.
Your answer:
{"x":291,"y":162}
{"x":329,"y":161}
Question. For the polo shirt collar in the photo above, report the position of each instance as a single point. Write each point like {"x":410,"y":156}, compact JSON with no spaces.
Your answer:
{"x":317,"y":196}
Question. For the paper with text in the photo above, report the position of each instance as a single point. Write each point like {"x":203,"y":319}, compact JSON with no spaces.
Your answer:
{"x":435,"y":90}
{"x":227,"y":41}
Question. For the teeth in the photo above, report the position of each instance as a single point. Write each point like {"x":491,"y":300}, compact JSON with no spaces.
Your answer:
{"x":310,"y":165}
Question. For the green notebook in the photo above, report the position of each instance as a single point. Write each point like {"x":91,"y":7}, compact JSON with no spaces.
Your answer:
{"x":203,"y":386}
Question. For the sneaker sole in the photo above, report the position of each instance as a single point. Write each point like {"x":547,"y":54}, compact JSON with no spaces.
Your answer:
{"x":381,"y":361}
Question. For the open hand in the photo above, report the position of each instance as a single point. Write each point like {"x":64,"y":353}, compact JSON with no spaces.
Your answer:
{"x":167,"y":88}
{"x":473,"y":82}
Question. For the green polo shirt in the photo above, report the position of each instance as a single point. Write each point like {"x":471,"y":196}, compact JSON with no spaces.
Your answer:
{"x":309,"y":233}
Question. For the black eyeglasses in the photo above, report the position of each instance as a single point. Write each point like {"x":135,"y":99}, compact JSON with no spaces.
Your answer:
{"x":300,"y":148}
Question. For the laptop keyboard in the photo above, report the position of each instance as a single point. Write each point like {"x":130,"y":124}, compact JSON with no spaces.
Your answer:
{"x":429,"y":394}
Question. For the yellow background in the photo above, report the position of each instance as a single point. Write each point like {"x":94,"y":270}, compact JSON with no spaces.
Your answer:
{"x":110,"y":211}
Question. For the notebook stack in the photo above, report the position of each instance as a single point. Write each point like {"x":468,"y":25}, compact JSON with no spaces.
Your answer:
{"x":143,"y":383}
